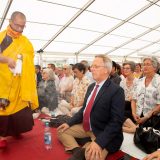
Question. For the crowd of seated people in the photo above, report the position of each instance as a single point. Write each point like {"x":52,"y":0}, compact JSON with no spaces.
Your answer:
{"x":142,"y":91}
{"x":140,"y":82}
{"x":100,"y":118}
{"x":63,"y":88}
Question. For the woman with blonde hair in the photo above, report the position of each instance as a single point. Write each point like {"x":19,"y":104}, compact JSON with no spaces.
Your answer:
{"x":66,"y":83}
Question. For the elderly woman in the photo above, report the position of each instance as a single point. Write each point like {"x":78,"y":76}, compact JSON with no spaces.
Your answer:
{"x":146,"y":97}
{"x":47,"y":93}
{"x":128,"y":84}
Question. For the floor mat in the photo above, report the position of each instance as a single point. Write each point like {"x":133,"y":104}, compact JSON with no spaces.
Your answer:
{"x":31,"y":147}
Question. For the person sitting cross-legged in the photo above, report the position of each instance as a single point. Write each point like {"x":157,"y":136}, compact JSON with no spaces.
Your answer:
{"x":100,"y":118}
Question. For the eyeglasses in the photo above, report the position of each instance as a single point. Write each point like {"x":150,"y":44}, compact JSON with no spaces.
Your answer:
{"x":126,"y":68}
{"x":18,"y":25}
{"x":146,"y":65}
{"x":95,"y":66}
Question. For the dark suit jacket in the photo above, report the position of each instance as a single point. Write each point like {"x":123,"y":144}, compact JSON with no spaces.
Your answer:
{"x":107,"y":115}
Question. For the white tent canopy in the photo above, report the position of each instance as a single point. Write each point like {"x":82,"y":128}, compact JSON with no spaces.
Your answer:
{"x":71,"y":30}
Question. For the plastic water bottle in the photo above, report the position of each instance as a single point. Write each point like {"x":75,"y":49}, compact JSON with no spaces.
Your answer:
{"x":47,"y":137}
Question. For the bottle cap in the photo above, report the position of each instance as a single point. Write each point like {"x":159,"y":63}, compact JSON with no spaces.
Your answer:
{"x":19,"y":56}
{"x":47,"y":124}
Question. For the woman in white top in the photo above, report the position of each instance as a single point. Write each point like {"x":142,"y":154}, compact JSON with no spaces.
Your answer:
{"x":146,"y":97}
{"x":66,"y":83}
{"x":128,"y":84}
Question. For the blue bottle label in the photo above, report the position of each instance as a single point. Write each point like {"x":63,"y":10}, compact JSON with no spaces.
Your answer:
{"x":47,"y":139}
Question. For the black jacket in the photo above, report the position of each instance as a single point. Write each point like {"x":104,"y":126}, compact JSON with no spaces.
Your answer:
{"x":107,"y":115}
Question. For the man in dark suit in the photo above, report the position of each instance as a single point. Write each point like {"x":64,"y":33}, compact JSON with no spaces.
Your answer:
{"x":106,"y":116}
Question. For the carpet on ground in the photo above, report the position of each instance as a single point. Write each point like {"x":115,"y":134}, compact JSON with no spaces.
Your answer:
{"x":31,"y":147}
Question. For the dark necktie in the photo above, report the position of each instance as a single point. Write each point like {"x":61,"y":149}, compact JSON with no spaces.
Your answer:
{"x":5,"y":43}
{"x":86,"y":116}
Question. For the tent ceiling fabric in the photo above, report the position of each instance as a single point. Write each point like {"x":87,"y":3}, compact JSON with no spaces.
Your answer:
{"x":83,"y":28}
